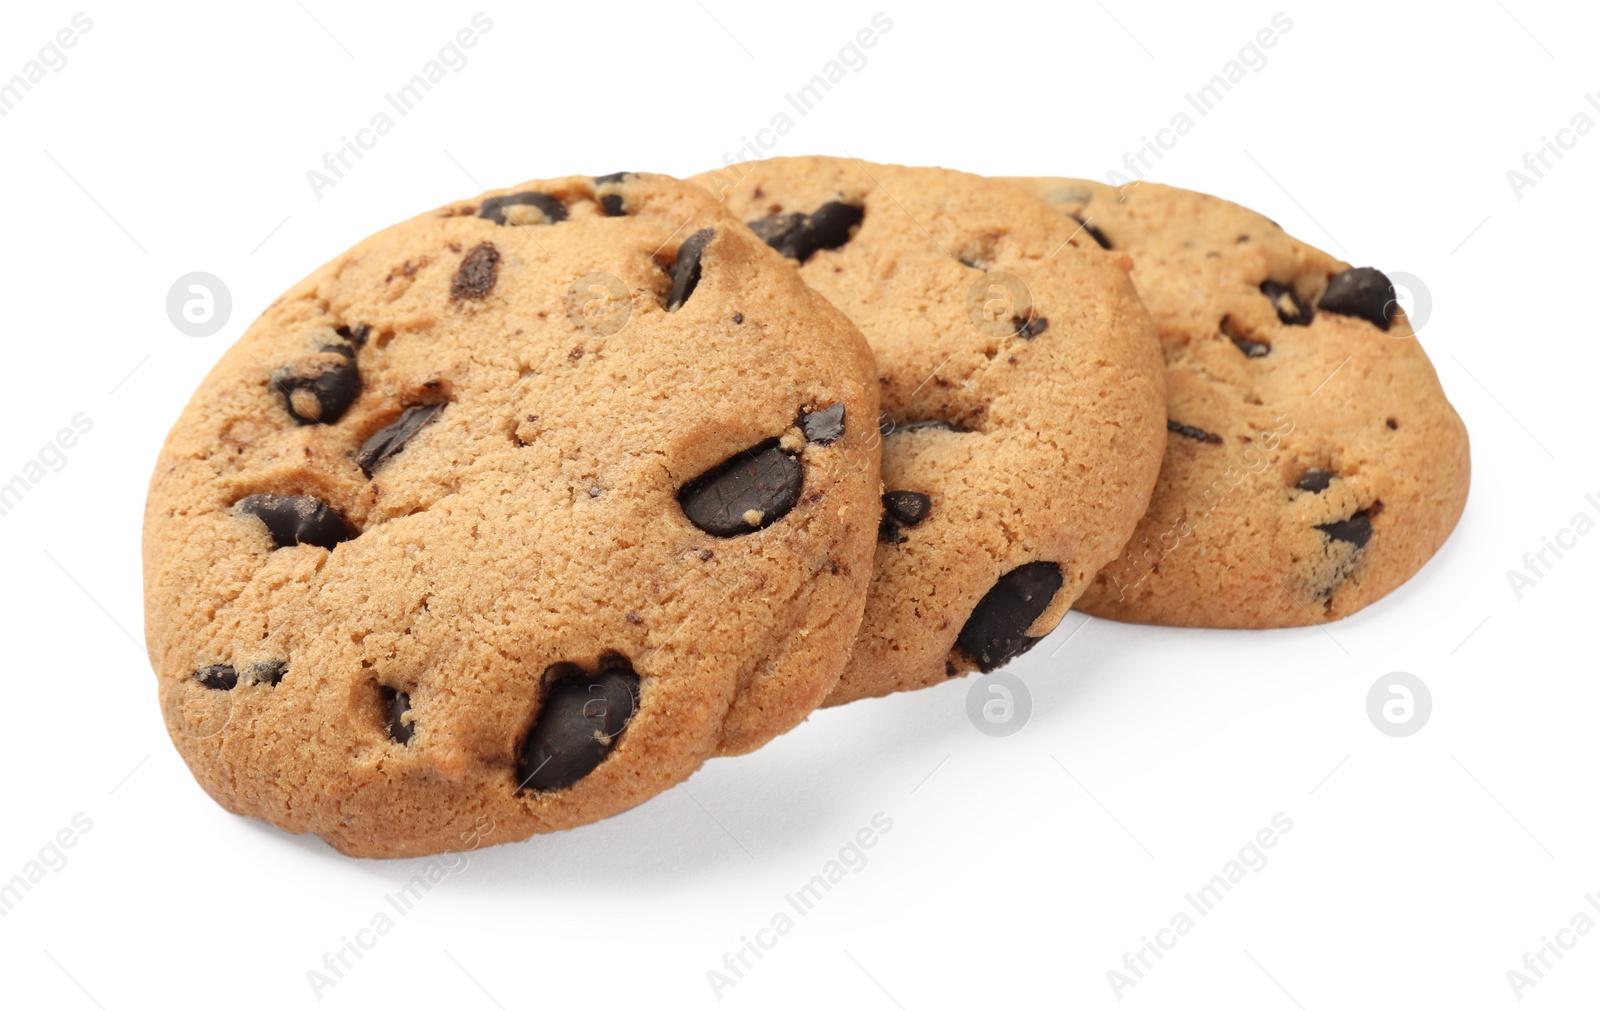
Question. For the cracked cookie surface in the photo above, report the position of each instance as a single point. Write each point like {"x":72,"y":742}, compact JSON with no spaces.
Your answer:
{"x":509,"y":517}
{"x":1313,"y":462}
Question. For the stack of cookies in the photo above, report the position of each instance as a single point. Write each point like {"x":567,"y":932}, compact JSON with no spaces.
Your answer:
{"x":522,"y":509}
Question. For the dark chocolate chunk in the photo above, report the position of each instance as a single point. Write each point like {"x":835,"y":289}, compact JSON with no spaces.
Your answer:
{"x":798,"y":236}
{"x":1094,"y":233}
{"x":889,"y":532}
{"x":320,"y":393}
{"x":268,"y":672}
{"x":356,"y":335}
{"x":578,"y":724}
{"x":997,"y":630}
{"x":1291,"y":308}
{"x":738,"y":317}
{"x":1251,"y":347}
{"x":824,"y":426}
{"x":494,"y":208}
{"x":476,"y":276}
{"x":1356,"y":530}
{"x":1316,"y":479}
{"x":686,"y":269}
{"x":396,"y":704}
{"x":218,"y":676}
{"x":744,"y":493}
{"x":297,"y":519}
{"x":1363,"y":292}
{"x":908,"y":507}
{"x":1191,"y":432}
{"x":611,"y":203}
{"x":1029,"y":327}
{"x":386,"y":442}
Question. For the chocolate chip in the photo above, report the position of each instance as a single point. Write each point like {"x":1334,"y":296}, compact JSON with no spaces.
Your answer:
{"x":997,"y":630}
{"x":357,"y":334}
{"x":268,"y":672}
{"x":320,"y":392}
{"x":686,"y":269}
{"x":1252,"y":348}
{"x":579,"y":722}
{"x":889,"y":531}
{"x":1363,"y":292}
{"x":386,"y":442}
{"x":824,"y":426}
{"x":1191,"y":432}
{"x":218,"y":676}
{"x":297,"y":519}
{"x":738,"y":317}
{"x":1291,"y":308}
{"x":1094,"y":233}
{"x":908,"y":507}
{"x":744,"y":493}
{"x":479,"y":270}
{"x":396,"y":704}
{"x":1029,"y":327}
{"x":1393,"y":424}
{"x":798,"y":236}
{"x":611,"y":203}
{"x":1316,"y":479}
{"x":494,"y":208}
{"x":1356,"y":530}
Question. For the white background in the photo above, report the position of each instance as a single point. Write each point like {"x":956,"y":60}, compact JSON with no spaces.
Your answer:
{"x":1018,"y":870}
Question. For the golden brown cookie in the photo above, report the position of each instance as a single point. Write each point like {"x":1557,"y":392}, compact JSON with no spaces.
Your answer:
{"x":508,"y":518}
{"x":1022,"y":400}
{"x":1313,"y":462}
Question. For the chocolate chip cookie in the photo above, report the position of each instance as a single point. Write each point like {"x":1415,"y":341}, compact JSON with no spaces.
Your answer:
{"x":1022,"y":396}
{"x":509,"y":517}
{"x":1313,"y":463}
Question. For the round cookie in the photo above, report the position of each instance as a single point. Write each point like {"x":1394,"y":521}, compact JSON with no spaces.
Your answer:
{"x":1313,"y":463}
{"x":509,"y":517}
{"x":1022,"y":398}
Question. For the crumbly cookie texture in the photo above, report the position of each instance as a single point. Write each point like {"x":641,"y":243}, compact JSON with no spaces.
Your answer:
{"x":1022,"y":394}
{"x":1313,"y":463}
{"x":509,"y":517}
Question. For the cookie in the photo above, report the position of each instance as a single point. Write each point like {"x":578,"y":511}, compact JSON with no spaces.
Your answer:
{"x":1313,"y":463}
{"x":509,"y":517}
{"x":1022,"y":398}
